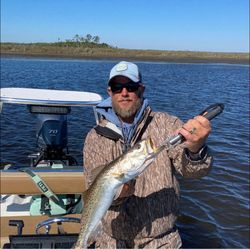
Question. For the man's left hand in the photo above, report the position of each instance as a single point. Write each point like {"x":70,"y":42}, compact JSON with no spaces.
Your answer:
{"x":195,"y":131}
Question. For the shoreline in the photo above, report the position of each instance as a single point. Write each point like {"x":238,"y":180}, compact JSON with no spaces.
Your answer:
{"x":93,"y":51}
{"x":130,"y":58}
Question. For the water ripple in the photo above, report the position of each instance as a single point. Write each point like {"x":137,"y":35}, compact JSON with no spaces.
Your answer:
{"x":214,"y":211}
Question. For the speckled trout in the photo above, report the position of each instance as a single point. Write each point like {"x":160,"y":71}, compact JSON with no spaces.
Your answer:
{"x":100,"y":195}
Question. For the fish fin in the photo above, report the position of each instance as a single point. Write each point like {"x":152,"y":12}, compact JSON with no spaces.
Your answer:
{"x":94,"y":173}
{"x":84,"y":195}
{"x":97,"y":232}
{"x":118,"y":175}
{"x":118,"y":192}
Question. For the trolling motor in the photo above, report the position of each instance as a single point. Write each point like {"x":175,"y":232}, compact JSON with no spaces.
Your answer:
{"x":52,"y":135}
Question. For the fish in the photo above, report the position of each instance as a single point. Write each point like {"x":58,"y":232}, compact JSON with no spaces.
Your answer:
{"x":99,"y":196}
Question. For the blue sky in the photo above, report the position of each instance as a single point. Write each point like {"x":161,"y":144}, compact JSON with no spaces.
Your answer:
{"x":195,"y":25}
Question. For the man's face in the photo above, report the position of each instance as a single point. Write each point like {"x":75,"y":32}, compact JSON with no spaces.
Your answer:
{"x":127,"y":100}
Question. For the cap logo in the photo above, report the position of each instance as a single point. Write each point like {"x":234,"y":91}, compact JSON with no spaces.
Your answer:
{"x":121,"y":67}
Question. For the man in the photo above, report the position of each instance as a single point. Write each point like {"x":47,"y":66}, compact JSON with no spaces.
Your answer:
{"x":144,"y":214}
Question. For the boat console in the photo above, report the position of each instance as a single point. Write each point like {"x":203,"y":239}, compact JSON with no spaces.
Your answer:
{"x":52,"y":170}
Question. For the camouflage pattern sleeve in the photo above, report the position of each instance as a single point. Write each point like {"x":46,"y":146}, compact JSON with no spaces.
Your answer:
{"x":166,"y":127}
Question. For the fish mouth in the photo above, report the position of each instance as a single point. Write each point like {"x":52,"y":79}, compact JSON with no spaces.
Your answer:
{"x":152,"y":145}
{"x":153,"y":148}
{"x":156,"y":150}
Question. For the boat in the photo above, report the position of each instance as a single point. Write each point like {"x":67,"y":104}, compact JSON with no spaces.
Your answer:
{"x":34,"y":213}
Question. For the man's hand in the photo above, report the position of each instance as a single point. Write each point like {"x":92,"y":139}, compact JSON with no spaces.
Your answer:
{"x":195,"y":131}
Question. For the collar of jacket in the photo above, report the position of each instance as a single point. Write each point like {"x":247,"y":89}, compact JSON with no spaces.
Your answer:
{"x":106,"y":110}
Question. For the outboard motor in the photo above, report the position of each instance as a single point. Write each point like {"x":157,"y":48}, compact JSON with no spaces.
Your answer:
{"x":51,"y":134}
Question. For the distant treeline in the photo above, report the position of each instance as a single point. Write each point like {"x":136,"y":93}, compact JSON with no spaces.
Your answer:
{"x":87,"y":41}
{"x":84,"y":39}
{"x":89,"y":47}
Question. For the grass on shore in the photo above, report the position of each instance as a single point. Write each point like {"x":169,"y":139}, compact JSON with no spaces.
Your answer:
{"x":94,"y":50}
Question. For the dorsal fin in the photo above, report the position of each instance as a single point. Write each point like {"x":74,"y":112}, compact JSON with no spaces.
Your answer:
{"x":84,"y":194}
{"x":94,"y":173}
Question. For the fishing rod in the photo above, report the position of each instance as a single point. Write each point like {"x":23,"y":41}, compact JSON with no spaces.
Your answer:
{"x":209,"y":113}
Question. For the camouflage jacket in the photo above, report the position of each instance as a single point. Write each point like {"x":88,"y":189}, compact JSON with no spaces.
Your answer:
{"x":153,"y":208}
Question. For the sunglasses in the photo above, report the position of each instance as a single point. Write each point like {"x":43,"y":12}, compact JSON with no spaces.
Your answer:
{"x":130,"y":86}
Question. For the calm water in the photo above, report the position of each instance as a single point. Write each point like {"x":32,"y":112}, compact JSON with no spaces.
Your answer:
{"x":215,"y":209}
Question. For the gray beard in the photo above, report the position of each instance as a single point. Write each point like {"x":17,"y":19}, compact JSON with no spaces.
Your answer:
{"x":127,"y":113}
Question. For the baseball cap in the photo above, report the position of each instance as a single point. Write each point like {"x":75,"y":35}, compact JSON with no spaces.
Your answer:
{"x":127,"y":69}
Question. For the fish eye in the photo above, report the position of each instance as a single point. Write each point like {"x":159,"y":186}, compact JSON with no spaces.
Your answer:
{"x":138,"y":146}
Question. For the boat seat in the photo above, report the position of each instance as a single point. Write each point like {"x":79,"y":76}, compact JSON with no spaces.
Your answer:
{"x":21,"y":184}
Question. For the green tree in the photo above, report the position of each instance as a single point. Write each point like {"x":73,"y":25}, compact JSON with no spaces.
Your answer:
{"x":96,"y":39}
{"x":88,"y":37}
{"x":82,"y":39}
{"x":76,"y":38}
